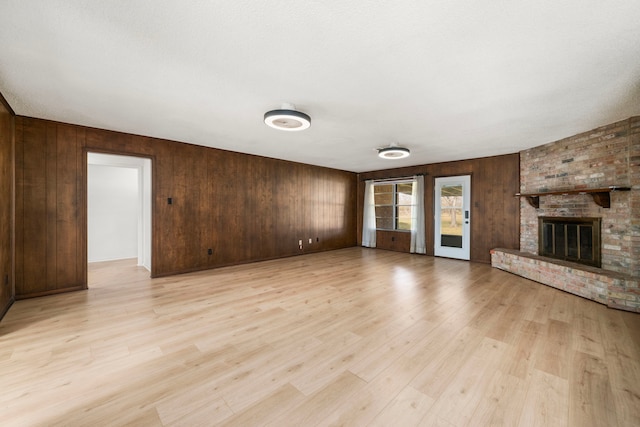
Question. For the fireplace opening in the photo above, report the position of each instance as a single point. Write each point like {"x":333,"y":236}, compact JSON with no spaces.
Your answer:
{"x":570,"y":239}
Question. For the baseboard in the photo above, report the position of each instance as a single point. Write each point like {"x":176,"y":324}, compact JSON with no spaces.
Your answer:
{"x":8,"y":306}
{"x":51,"y":292}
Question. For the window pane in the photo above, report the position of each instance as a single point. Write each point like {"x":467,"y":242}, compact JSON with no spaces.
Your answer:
{"x":454,"y":191}
{"x":404,"y":193}
{"x":384,"y":223}
{"x":451,"y":222}
{"x":384,"y":211}
{"x":383,"y":188}
{"x":404,"y":218}
{"x":405,"y":188}
{"x":393,"y":206}
{"x":383,"y":198}
{"x":383,"y":194}
{"x":404,"y":199}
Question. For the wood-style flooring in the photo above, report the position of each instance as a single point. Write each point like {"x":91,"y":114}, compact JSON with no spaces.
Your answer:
{"x":350,"y":337}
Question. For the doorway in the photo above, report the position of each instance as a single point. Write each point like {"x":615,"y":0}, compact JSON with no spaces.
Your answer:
{"x":119,"y":209}
{"x":452,"y":217}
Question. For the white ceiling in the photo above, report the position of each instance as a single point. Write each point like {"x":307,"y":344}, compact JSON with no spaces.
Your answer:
{"x":448,"y":79}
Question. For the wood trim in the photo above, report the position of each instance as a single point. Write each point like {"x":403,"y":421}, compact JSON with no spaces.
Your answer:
{"x":6,"y":105}
{"x":398,"y":178}
{"x":6,"y":308}
{"x":83,"y":200}
{"x":7,"y":215}
{"x":50,"y":292}
{"x":600,"y":195}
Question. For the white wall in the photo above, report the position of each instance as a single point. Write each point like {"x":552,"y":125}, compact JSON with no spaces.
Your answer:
{"x":112,"y":212}
{"x":119,"y":208}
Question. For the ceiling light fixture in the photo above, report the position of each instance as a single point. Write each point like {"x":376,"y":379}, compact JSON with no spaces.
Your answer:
{"x":393,"y":152}
{"x":287,"y":118}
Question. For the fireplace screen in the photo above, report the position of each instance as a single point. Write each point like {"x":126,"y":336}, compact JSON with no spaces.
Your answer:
{"x":570,"y":239}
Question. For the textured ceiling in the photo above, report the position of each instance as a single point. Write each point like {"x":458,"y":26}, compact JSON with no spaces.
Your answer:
{"x":448,"y":79}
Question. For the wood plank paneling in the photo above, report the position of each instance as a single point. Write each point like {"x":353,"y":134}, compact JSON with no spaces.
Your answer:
{"x":51,"y":208}
{"x":7,"y":132}
{"x":495,"y":212}
{"x":393,"y":240}
{"x":245,"y":208}
{"x":31,"y":184}
{"x":47,"y":236}
{"x":66,"y":204}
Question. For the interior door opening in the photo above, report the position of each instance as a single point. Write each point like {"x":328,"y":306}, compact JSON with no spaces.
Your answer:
{"x":452,"y":217}
{"x":118,"y":210}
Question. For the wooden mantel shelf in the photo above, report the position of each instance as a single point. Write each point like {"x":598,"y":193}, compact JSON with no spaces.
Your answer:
{"x":600,"y":195}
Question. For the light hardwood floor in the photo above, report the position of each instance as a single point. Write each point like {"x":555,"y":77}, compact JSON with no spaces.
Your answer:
{"x":349,"y":337}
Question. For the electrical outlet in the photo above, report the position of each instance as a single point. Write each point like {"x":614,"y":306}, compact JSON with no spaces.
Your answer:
{"x":210,"y":251}
{"x":300,"y":243}
{"x":310,"y":240}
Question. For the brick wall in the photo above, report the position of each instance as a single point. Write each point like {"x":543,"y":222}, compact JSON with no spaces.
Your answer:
{"x":613,"y":289}
{"x":608,"y":155}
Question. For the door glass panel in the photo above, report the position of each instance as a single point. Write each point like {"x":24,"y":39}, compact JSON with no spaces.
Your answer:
{"x":451,"y":216}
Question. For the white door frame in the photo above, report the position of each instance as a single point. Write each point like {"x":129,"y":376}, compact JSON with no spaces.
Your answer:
{"x":143,"y":165}
{"x":439,"y":249}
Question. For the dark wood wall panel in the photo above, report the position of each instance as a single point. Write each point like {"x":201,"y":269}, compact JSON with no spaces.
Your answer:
{"x":393,"y":241}
{"x":66,"y":205}
{"x":7,"y":132}
{"x":244,"y":208}
{"x":495,"y":212}
{"x":47,"y":206}
{"x":31,"y":243}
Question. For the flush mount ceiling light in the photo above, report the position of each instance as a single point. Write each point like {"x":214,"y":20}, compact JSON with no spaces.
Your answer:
{"x":393,"y":151}
{"x":287,"y":118}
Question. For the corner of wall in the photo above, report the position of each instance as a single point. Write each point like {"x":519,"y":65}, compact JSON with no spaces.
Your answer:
{"x":7,"y":211}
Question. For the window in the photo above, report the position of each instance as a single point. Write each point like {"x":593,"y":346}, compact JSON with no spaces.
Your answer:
{"x":393,"y":205}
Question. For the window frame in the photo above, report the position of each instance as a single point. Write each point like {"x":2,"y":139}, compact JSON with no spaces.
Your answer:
{"x":395,"y":204}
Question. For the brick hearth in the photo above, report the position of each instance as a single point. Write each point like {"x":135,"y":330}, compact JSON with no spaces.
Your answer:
{"x":606,"y":156}
{"x":615,"y":290}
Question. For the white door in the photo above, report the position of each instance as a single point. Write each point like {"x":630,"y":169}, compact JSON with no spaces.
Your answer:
{"x":452,"y":217}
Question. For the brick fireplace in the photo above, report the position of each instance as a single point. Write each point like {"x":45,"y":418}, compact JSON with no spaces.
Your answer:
{"x":570,"y":239}
{"x":604,"y":157}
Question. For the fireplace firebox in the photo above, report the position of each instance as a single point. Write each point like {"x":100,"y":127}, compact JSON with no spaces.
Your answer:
{"x":570,"y":239}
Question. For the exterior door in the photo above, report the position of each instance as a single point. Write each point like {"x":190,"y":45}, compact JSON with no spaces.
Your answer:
{"x":452,"y":217}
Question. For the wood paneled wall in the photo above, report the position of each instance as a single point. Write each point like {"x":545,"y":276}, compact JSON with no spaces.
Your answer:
{"x":7,"y":120}
{"x":495,"y":212}
{"x":245,"y":208}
